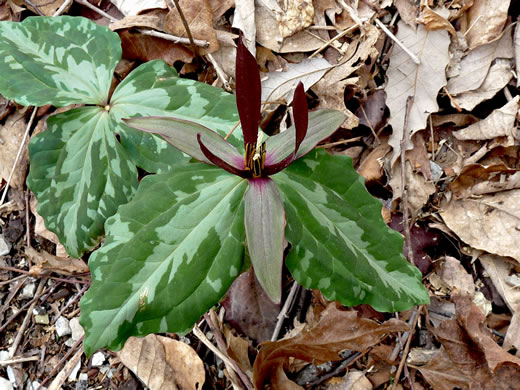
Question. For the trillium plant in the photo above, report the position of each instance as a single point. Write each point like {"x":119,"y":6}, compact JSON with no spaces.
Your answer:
{"x":175,"y":240}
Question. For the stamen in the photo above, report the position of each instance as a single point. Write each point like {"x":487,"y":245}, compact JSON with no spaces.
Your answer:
{"x":255,"y":159}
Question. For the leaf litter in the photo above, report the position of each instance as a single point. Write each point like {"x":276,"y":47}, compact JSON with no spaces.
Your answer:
{"x":460,"y":188}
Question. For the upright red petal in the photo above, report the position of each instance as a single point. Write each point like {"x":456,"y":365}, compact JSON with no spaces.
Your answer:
{"x":248,"y":92}
{"x":301,"y":115}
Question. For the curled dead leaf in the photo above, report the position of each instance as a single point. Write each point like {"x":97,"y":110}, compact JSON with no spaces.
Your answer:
{"x":163,"y":363}
{"x":336,"y":331}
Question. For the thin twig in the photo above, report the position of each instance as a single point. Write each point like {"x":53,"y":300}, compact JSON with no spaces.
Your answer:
{"x":220,"y":72}
{"x":173,"y":38}
{"x":27,"y":223}
{"x":283,"y":313}
{"x":340,"y":35}
{"x":405,"y":352}
{"x":202,"y":337}
{"x":187,"y":28}
{"x":35,"y":7}
{"x":404,"y":142}
{"x":20,"y":359}
{"x":70,"y":302}
{"x":370,"y":124}
{"x":60,"y":10}
{"x":25,"y":323}
{"x":63,"y":359}
{"x":398,"y":42}
{"x":221,"y":343}
{"x":18,"y":154}
{"x":342,"y":142}
{"x":96,"y":10}
{"x":232,"y":130}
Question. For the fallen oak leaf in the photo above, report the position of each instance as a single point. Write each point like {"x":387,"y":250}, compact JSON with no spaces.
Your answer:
{"x":163,"y":363}
{"x":44,"y":261}
{"x":336,"y":331}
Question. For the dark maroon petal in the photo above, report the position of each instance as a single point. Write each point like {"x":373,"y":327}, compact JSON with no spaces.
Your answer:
{"x":301,"y":115}
{"x":248,"y":92}
{"x":219,"y":162}
{"x":275,"y":168}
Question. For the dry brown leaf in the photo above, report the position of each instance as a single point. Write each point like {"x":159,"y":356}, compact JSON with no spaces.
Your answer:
{"x":490,"y":222}
{"x":163,"y":363}
{"x":337,"y":330}
{"x":497,"y":78}
{"x":423,"y":82}
{"x":198,"y":15}
{"x":39,"y":227}
{"x":46,"y":7}
{"x":516,"y":49}
{"x":268,"y":32}
{"x":220,"y":7}
{"x":478,"y":179}
{"x":436,"y":20}
{"x":354,"y":380}
{"x":238,"y":350}
{"x":294,"y":17}
{"x":470,"y":357}
{"x":471,"y":318}
{"x":473,"y":69}
{"x":408,"y":12}
{"x":485,"y":21}
{"x":62,"y":265}
{"x":418,"y":187}
{"x":146,"y":48}
{"x":500,"y":123}
{"x":456,"y":277}
{"x":442,"y":374}
{"x":244,"y":20}
{"x":152,"y":20}
{"x":371,"y":168}
{"x":11,"y":136}
{"x":500,"y":271}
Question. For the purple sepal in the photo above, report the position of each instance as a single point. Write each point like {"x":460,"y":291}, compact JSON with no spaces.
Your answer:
{"x":219,"y":162}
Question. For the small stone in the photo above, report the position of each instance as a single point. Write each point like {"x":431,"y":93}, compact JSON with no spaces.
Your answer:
{"x":28,"y":291}
{"x":62,"y":327}
{"x":98,"y":359}
{"x":34,"y":385}
{"x":82,"y":383}
{"x":106,"y":370}
{"x":5,"y":384}
{"x":42,"y":319}
{"x":74,"y":373}
{"x":76,"y":328}
{"x":5,"y":246}
{"x":39,"y":311}
{"x":4,"y":355}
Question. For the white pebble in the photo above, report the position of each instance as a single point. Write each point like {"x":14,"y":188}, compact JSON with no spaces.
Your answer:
{"x":62,"y":327}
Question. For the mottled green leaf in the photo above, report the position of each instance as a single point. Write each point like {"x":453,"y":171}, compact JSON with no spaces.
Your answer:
{"x":340,"y":243}
{"x":80,"y":174}
{"x":265,"y":224}
{"x":154,"y":89}
{"x":169,"y":255}
{"x":58,"y":61}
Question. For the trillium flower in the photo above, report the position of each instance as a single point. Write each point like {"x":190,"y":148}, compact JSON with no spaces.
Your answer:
{"x":264,"y":219}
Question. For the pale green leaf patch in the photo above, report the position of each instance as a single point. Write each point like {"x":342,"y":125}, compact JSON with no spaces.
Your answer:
{"x":169,"y":255}
{"x":81,"y":174}
{"x":340,"y":243}
{"x":58,"y":61}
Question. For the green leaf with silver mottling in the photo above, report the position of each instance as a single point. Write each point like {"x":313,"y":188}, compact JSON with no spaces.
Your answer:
{"x":154,"y":89}
{"x":57,"y":60}
{"x":169,"y":255}
{"x":80,"y":174}
{"x":340,"y":243}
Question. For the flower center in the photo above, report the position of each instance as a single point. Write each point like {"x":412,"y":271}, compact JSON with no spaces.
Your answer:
{"x":255,"y":159}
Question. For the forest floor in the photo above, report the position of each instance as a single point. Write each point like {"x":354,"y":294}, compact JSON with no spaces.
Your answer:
{"x":457,"y":203}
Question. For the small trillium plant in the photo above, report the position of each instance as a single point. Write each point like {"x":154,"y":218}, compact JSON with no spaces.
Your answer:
{"x":264,"y":219}
{"x":173,"y":251}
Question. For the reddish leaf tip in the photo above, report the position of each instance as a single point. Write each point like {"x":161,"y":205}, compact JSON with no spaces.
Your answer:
{"x":248,"y":92}
{"x":217,"y":161}
{"x":301,"y":115}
